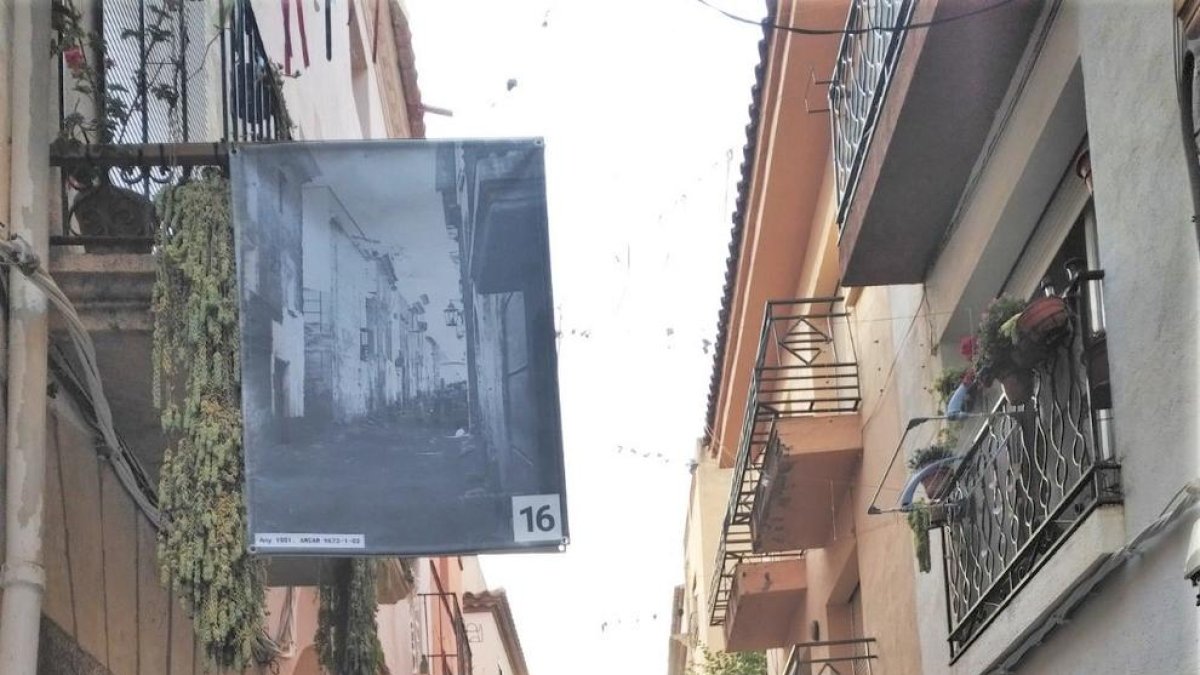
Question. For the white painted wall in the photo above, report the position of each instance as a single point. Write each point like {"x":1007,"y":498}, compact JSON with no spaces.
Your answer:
{"x":1119,"y":57}
{"x":1144,"y":620}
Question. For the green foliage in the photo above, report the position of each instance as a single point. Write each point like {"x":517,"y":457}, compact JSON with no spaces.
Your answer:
{"x":80,"y":48}
{"x":919,"y":521}
{"x":923,"y":457}
{"x":347,"y":637}
{"x":941,"y":448}
{"x":947,"y":382}
{"x":731,"y":663}
{"x":994,"y":337}
{"x":202,"y":545}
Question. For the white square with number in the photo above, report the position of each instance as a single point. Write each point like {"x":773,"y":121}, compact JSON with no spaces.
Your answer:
{"x":537,"y":518}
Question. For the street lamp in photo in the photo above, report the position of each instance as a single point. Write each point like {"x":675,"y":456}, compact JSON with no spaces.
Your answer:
{"x":453,"y":315}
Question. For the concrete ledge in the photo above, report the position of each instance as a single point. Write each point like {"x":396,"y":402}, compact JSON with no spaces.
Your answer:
{"x":111,"y":292}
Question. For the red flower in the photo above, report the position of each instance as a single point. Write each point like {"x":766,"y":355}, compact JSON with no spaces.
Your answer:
{"x":75,"y":59}
{"x":966,"y":347}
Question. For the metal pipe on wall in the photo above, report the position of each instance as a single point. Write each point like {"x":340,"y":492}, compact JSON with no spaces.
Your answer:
{"x":23,"y":577}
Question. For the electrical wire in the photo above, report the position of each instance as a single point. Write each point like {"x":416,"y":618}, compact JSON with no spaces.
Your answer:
{"x":125,"y":465}
{"x":766,"y":23}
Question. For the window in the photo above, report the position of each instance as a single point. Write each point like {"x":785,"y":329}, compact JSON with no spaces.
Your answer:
{"x":366,"y":345}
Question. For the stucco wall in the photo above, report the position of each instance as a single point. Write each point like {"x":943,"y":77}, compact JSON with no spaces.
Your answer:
{"x":1148,"y":251}
{"x":102,"y":581}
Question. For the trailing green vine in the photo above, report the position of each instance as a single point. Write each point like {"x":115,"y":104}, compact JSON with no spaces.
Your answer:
{"x":202,"y":546}
{"x":347,"y":636}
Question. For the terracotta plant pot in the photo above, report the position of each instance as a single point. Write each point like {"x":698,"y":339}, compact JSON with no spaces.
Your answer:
{"x":1044,"y":322}
{"x":936,"y":482}
{"x":1018,"y":386}
{"x":112,"y":211}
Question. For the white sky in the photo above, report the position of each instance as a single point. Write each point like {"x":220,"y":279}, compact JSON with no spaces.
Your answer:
{"x":641,"y":102}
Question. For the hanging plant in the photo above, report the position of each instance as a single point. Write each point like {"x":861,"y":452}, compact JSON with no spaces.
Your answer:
{"x":347,"y":637}
{"x":202,"y":546}
{"x":919,"y":521}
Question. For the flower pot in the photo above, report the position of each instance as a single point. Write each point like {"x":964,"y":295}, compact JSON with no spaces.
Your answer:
{"x":936,"y":482}
{"x":1044,"y":322}
{"x":1018,"y":386}
{"x":112,"y":211}
{"x":1095,"y":356}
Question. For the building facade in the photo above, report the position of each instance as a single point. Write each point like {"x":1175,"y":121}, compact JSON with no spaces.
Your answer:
{"x":192,"y":76}
{"x":896,"y":183}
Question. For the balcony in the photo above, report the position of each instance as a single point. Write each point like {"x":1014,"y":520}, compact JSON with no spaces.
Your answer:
{"x":766,"y":599}
{"x":895,"y":98}
{"x":172,"y":84}
{"x":1030,"y":477}
{"x":800,"y":421}
{"x":447,"y":651}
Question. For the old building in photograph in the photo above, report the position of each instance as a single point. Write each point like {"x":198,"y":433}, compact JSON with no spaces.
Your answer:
{"x":428,"y":372}
{"x":494,"y":198}
{"x":955,"y":298}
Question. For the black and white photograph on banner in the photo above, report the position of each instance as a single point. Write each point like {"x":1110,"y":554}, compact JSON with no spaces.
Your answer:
{"x":399,"y":378}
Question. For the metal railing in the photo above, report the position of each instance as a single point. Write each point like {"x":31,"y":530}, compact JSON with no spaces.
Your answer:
{"x":859,"y":659}
{"x":861,"y":76}
{"x":806,"y":365}
{"x":162,"y":68}
{"x":447,"y":649}
{"x":1031,"y":476}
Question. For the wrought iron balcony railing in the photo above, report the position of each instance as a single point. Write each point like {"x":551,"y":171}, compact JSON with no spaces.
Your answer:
{"x":806,"y":366}
{"x":447,"y":648}
{"x":1031,"y":476}
{"x":167,"y":78}
{"x":860,"y":80}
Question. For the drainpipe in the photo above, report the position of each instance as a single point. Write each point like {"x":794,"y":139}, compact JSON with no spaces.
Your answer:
{"x":23,"y":577}
{"x":1188,"y":127}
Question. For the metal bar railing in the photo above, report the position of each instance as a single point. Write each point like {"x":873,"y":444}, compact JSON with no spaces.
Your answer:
{"x":861,"y":76}
{"x":443,"y":613}
{"x":155,"y":79}
{"x":1031,"y":476}
{"x":806,"y":365}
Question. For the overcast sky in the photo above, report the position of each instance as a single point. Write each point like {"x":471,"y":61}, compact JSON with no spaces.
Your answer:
{"x":643,"y":104}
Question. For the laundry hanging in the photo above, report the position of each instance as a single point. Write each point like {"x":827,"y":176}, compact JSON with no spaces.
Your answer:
{"x":328,"y":30}
{"x":287,"y":37}
{"x":303,"y":33}
{"x":375,"y":32}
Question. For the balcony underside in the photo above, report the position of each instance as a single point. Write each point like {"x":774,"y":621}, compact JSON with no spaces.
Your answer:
{"x":111,"y":293}
{"x":765,"y":601}
{"x":937,"y":111}
{"x":811,"y":469}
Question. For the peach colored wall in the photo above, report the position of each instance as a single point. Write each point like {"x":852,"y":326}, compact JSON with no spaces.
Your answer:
{"x":790,"y":250}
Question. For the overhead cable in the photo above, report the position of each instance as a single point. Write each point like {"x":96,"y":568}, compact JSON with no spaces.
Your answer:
{"x":898,"y":28}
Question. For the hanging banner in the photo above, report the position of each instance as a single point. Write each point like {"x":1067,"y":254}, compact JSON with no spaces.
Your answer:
{"x":399,"y":378}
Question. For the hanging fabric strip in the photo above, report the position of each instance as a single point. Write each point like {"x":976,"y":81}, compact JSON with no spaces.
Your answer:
{"x":303,"y":33}
{"x":375,"y":37}
{"x":328,"y":31}
{"x":287,"y":37}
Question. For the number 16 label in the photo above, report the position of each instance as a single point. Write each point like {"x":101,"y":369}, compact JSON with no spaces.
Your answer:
{"x":537,"y":518}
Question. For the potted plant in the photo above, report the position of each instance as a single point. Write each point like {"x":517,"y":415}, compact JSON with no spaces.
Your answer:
{"x":935,"y":482}
{"x":954,"y":388}
{"x":1040,"y":327}
{"x":102,"y":208}
{"x":994,"y":349}
{"x":948,"y":382}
